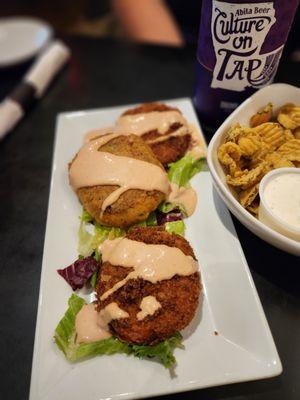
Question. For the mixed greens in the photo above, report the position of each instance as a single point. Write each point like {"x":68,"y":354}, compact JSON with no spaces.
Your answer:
{"x":91,"y":234}
{"x":85,"y":269}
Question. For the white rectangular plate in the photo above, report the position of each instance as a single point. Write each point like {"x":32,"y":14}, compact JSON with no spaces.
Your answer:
{"x":242,"y":350}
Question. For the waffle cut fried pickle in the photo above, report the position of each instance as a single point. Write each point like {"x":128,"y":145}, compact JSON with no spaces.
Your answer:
{"x":248,"y":153}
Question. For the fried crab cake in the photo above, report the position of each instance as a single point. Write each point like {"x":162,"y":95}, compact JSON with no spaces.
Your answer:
{"x":173,"y":147}
{"x":178,"y":296}
{"x":132,"y":206}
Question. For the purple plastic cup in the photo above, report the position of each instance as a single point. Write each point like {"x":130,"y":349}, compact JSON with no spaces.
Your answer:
{"x":239,"y":48}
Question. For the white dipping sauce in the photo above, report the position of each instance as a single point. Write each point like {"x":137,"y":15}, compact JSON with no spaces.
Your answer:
{"x":282,"y":195}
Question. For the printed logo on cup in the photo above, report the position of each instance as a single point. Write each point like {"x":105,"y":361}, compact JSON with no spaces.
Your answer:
{"x":238,"y":33}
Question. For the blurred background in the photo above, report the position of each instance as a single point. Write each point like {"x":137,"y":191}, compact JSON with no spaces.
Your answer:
{"x":103,"y":72}
{"x":166,"y":22}
{"x":169,"y":22}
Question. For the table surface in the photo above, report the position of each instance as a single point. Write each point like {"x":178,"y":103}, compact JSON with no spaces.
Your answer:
{"x":106,"y":73}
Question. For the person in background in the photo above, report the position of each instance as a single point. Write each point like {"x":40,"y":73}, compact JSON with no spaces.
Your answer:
{"x":164,"y":22}
{"x":172,"y":22}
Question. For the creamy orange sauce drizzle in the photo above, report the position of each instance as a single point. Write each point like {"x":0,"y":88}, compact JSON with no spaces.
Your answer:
{"x":151,"y":262}
{"x":96,"y":133}
{"x":109,"y":313}
{"x":198,"y":147}
{"x":179,"y":132}
{"x":92,"y":326}
{"x":145,"y":122}
{"x":161,"y":121}
{"x":187,"y":197}
{"x":148,"y":306}
{"x":86,"y":325}
{"x":92,"y":167}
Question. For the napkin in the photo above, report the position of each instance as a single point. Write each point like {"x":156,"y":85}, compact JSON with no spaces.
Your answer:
{"x":33,"y":86}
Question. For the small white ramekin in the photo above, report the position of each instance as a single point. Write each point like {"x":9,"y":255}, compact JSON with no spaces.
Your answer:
{"x":267,"y":216}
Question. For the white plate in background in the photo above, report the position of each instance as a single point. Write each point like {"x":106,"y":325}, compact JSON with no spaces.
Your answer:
{"x":278,"y":94}
{"x":243,"y":350}
{"x":22,"y":38}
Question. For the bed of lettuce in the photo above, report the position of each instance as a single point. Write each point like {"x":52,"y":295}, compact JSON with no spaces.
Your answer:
{"x":91,"y":235}
{"x":65,"y":340}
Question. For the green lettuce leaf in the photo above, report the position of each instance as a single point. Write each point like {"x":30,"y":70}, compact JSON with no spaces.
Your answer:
{"x":182,"y":171}
{"x":93,"y":280}
{"x":85,"y":239}
{"x":98,"y":257}
{"x":176,"y":227}
{"x":90,"y":235}
{"x":150,"y":221}
{"x":163,"y":350}
{"x":86,"y":217}
{"x":65,"y":332}
{"x":167,"y":207}
{"x":102,"y":347}
{"x":65,"y":339}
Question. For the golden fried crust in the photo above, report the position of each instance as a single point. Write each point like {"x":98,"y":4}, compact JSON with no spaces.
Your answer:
{"x":148,"y":107}
{"x":158,"y":235}
{"x":171,"y":149}
{"x":130,"y":146}
{"x":179,"y":296}
{"x":134,"y":205}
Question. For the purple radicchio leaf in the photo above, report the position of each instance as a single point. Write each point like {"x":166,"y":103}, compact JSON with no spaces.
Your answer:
{"x":78,"y":273}
{"x":163,"y":218}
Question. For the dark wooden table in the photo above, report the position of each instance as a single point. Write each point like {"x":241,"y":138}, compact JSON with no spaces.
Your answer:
{"x":107,"y":73}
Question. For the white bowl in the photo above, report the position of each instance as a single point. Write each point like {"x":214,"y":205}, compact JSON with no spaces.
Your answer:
{"x":278,"y":94}
{"x":267,"y":215}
